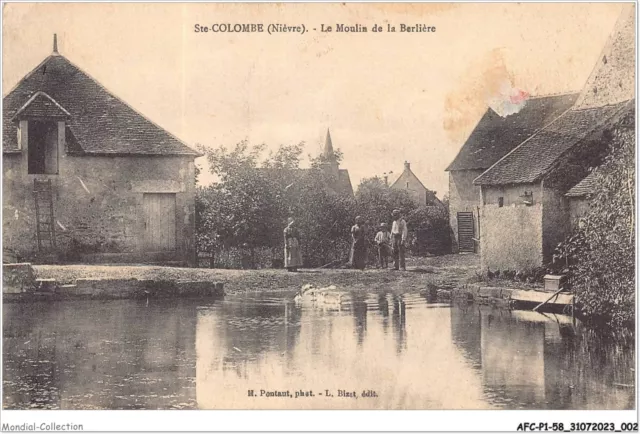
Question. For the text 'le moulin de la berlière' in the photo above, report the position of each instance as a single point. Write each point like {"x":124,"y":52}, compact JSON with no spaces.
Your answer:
{"x":301,"y":28}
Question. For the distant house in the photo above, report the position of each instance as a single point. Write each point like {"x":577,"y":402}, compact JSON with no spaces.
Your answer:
{"x":420,"y":194}
{"x":86,"y":177}
{"x":493,"y":138}
{"x":525,"y":208}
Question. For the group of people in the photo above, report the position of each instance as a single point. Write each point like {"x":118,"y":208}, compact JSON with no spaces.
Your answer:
{"x":388,"y":243}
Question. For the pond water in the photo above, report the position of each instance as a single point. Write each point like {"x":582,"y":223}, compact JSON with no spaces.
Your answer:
{"x":391,"y":352}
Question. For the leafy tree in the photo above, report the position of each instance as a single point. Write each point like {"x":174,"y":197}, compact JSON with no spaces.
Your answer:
{"x":249,"y":205}
{"x":375,"y":201}
{"x":600,"y":257}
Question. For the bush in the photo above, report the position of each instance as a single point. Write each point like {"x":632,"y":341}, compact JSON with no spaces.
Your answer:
{"x":599,"y":258}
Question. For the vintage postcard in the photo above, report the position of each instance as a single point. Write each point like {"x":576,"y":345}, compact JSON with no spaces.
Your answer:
{"x":319,"y":206}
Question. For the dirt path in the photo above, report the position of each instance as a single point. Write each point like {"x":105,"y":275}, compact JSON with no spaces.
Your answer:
{"x":442,"y":271}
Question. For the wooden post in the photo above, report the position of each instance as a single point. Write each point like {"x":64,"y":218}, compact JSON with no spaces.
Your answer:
{"x":555,"y":294}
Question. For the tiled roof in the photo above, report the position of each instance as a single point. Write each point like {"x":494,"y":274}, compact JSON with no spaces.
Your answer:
{"x":99,"y":122}
{"x":495,"y":136}
{"x":586,"y":186}
{"x":342,"y":184}
{"x":536,"y":156}
{"x":41,"y":105}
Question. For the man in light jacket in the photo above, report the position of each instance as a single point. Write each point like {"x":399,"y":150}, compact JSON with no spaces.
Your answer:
{"x":399,"y":235}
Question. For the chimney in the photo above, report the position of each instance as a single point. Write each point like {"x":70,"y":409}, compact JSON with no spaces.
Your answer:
{"x":55,"y":43}
{"x":407,"y":166}
{"x":386,"y":180}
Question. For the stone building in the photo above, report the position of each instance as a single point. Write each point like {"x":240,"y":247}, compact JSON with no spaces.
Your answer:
{"x":493,"y":138}
{"x":420,"y":194}
{"x":88,"y":178}
{"x":525,"y":212}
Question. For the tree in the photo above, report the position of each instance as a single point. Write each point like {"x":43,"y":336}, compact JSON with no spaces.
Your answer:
{"x":375,"y":201}
{"x":600,"y":257}
{"x":250,"y":204}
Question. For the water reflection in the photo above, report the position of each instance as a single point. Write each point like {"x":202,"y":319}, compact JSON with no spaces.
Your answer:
{"x":412,"y":352}
{"x":532,"y":360}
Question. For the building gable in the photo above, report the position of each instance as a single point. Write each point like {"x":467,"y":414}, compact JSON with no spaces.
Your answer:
{"x":613,"y":78}
{"x":41,"y":105}
{"x":495,"y":136}
{"x":100,"y":123}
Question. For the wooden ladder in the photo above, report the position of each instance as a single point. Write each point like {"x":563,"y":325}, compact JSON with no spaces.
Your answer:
{"x":45,"y":226}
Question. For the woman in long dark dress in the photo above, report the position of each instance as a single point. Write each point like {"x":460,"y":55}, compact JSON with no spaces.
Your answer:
{"x":358,"y":246}
{"x":292,"y":251}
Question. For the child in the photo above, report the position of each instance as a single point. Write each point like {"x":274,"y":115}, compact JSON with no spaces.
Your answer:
{"x":383,"y":240}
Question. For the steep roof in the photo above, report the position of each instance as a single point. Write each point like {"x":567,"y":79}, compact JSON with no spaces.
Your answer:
{"x":608,"y":93}
{"x":407,"y":171}
{"x":495,"y":136}
{"x":585,"y":187}
{"x":613,"y":77}
{"x":328,"y":147}
{"x":342,"y":184}
{"x":99,"y":123}
{"x":537,"y":155}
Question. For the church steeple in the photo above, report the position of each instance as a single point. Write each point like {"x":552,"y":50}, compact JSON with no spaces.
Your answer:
{"x":328,"y":148}
{"x":330,"y":164}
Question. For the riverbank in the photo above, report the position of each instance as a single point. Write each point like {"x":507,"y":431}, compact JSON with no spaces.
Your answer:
{"x":116,"y":281}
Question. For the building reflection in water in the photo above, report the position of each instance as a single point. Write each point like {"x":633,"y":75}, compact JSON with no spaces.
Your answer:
{"x":115,"y":355}
{"x":352,"y":349}
{"x":532,"y":360}
{"x":413,"y":354}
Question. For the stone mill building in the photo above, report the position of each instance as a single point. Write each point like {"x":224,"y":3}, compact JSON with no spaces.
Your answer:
{"x":88,"y":178}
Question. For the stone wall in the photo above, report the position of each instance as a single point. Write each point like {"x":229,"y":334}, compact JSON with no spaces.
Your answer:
{"x":463,"y":197}
{"x":98,"y":204}
{"x":511,"y":237}
{"x":512,"y":194}
{"x":613,"y":77}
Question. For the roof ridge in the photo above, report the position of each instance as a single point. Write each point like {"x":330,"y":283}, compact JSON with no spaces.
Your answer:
{"x":34,"y":96}
{"x":623,"y":105}
{"x":594,"y":127}
{"x":491,"y":111}
{"x":521,"y":144}
{"x":549,"y":95}
{"x":127,"y":104}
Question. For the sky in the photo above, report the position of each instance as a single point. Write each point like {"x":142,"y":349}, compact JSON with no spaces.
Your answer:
{"x":386,"y":97}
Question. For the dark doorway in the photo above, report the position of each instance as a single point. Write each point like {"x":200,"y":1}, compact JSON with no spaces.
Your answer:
{"x":42,"y":148}
{"x":466,"y":232}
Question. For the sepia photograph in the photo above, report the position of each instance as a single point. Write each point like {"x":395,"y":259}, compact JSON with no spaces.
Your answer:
{"x":319,"y":206}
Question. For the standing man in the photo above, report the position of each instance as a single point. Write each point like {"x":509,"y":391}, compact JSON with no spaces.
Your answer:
{"x":399,"y":235}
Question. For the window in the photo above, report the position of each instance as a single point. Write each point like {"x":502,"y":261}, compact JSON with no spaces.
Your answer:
{"x":407,"y":185}
{"x":42,"y":147}
{"x":500,"y":201}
